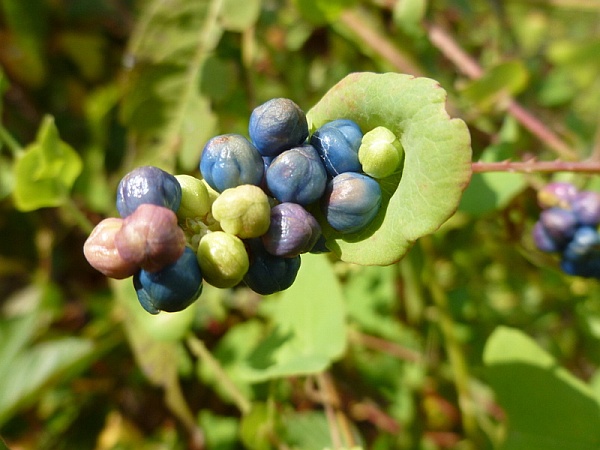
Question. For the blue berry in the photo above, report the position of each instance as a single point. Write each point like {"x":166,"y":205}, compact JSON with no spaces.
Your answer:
{"x":292,"y":231}
{"x":147,"y":184}
{"x":559,"y":223}
{"x":277,"y":125}
{"x":586,"y":207}
{"x":337,"y":143}
{"x":269,"y":273}
{"x":351,"y":201}
{"x":231,"y":160}
{"x":297,"y":176}
{"x":171,"y":289}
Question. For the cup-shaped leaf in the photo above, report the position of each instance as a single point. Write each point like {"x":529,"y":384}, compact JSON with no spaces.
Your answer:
{"x":437,"y":160}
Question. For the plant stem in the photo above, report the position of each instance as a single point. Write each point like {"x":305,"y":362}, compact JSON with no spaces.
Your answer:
{"x":534,"y":166}
{"x":75,"y":213}
{"x":466,"y":64}
{"x":199,"y":349}
{"x":453,"y":346}
{"x":10,"y":142}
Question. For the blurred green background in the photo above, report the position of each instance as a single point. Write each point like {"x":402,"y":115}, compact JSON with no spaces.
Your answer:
{"x":474,"y":340}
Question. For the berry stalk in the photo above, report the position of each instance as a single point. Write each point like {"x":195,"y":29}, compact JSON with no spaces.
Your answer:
{"x":534,"y":166}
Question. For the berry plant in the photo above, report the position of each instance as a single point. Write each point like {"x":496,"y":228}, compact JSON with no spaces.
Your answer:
{"x":300,"y":225}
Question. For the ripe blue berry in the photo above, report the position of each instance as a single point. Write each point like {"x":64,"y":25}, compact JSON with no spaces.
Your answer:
{"x":231,"y":160}
{"x":351,"y":201}
{"x":337,"y":143}
{"x":586,"y":207}
{"x":297,"y":175}
{"x":277,"y":125}
{"x":171,"y":289}
{"x":292,"y":231}
{"x":269,"y":273}
{"x":147,"y":184}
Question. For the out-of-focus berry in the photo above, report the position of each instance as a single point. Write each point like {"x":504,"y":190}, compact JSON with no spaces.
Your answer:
{"x":277,"y":125}
{"x":243,"y":211}
{"x":293,"y":230}
{"x":542,"y":239}
{"x":337,"y":143}
{"x":147,"y":184}
{"x":557,"y":194}
{"x":231,"y":160}
{"x":380,"y":153}
{"x":171,"y":289}
{"x":269,"y":273}
{"x":100,"y":251}
{"x":586,"y":207}
{"x":223,"y":259}
{"x":297,"y":176}
{"x":559,"y":223}
{"x":150,"y":238}
{"x":351,"y":201}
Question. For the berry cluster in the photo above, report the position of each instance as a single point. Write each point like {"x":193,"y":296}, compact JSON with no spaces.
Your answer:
{"x":568,"y":225}
{"x":250,"y":216}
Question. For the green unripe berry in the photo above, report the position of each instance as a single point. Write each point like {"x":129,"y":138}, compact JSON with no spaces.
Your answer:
{"x":380,"y":152}
{"x":195,"y":199}
{"x":243,"y":211}
{"x":223,"y":259}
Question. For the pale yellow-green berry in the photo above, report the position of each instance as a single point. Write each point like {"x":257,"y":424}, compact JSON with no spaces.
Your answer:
{"x":380,"y":152}
{"x":223,"y":259}
{"x":212,"y":194}
{"x":243,"y":211}
{"x":195,"y":200}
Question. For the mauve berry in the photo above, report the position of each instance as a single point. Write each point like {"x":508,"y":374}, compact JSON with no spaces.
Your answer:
{"x":292,"y":231}
{"x":586,"y":207}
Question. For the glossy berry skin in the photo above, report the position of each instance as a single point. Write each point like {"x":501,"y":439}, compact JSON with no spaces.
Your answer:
{"x":171,"y":289}
{"x":277,"y":125}
{"x":292,"y":231}
{"x":351,"y":201}
{"x":542,"y":239}
{"x":559,"y":223}
{"x":297,"y":176}
{"x":337,"y":143}
{"x":558,"y":193}
{"x":269,"y":273}
{"x":581,"y":257}
{"x":231,"y":160}
{"x":147,"y":184}
{"x":586,"y":207}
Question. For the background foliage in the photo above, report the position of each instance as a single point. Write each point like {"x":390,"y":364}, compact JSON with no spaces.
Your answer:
{"x":473,"y":341}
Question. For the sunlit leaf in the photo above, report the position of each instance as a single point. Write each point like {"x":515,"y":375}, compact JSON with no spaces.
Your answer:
{"x":239,"y":16}
{"x":45,"y":173}
{"x":309,"y":327}
{"x":547,"y":407}
{"x":508,"y":78}
{"x":437,"y":165}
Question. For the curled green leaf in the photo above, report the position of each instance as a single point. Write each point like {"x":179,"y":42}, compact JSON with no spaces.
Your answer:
{"x":437,"y":160}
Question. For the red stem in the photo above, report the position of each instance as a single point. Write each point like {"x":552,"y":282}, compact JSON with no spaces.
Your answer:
{"x":537,"y":166}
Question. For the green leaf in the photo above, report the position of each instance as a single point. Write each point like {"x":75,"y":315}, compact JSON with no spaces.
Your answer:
{"x":32,"y":370}
{"x":220,"y":432}
{"x":239,"y":16}
{"x":437,"y":165}
{"x":46,"y":171}
{"x":309,"y":321}
{"x":168,"y":117}
{"x":547,"y":407}
{"x":492,"y":191}
{"x":322,"y":11}
{"x":508,"y":78}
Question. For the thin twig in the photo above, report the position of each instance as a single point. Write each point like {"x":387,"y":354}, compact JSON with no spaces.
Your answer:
{"x":199,"y":349}
{"x":467,"y":65}
{"x":384,"y":346}
{"x":534,"y":166}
